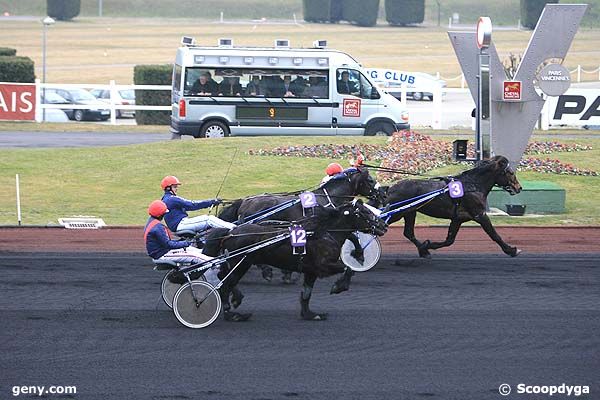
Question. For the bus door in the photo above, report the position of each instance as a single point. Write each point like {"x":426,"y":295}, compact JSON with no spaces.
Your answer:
{"x":353,"y":92}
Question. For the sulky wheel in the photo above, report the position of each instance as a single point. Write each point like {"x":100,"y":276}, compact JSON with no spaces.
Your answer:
{"x":371,"y":248}
{"x":199,"y":312}
{"x":171,"y":284}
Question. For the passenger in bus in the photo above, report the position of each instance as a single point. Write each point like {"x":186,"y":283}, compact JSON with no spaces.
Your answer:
{"x":205,"y":85}
{"x":255,"y":87}
{"x":299,"y":85}
{"x":276,"y":86}
{"x":346,"y":86}
{"x":318,"y":87}
{"x":230,"y":86}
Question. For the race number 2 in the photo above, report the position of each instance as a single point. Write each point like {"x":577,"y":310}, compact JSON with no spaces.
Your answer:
{"x":455,"y":189}
{"x":297,"y":236}
{"x":308,"y":199}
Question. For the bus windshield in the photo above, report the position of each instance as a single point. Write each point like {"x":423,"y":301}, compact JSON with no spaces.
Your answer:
{"x":237,"y":82}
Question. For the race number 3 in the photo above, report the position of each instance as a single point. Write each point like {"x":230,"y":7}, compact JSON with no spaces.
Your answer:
{"x":308,"y":199}
{"x":297,"y":236}
{"x":455,"y":189}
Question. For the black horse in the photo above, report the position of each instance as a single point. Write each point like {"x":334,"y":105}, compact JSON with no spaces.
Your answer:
{"x":328,"y":228}
{"x":341,"y":188}
{"x":477,"y":183}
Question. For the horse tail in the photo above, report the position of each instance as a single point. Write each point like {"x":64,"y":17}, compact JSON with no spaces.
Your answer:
{"x":214,"y":239}
{"x":230,"y":213}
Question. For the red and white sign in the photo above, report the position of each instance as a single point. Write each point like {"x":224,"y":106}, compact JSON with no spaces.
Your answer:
{"x":512,"y":90}
{"x":351,"y":108}
{"x":17,"y":102}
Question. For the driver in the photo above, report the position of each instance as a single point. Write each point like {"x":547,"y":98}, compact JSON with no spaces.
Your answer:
{"x":160,"y":246}
{"x":177,"y":219}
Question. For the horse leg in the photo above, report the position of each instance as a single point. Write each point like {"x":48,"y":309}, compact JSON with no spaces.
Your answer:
{"x":358,"y":251}
{"x":287,"y":277}
{"x":306,"y":313}
{"x":486,"y":224}
{"x":452,"y":231}
{"x":229,"y":288}
{"x":343,"y":284}
{"x":409,"y":233}
{"x":266,"y":271}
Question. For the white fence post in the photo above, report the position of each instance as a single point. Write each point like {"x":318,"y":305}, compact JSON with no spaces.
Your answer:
{"x":578,"y":73}
{"x":113,"y":96}
{"x":18,"y":199}
{"x":38,"y":101}
{"x":221,"y":19}
{"x":462,"y":81}
{"x":437,"y":75}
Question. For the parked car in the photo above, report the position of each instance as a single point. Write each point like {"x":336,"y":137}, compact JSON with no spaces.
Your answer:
{"x":53,"y":114}
{"x":97,"y":110}
{"x":124,"y":97}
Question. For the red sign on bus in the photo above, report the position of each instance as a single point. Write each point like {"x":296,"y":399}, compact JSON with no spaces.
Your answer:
{"x":17,"y":102}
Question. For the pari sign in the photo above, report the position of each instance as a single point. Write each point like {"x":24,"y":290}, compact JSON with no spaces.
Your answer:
{"x":17,"y":102}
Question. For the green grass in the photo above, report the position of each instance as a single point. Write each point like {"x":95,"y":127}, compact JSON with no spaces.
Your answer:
{"x":504,"y":12}
{"x":117,"y":183}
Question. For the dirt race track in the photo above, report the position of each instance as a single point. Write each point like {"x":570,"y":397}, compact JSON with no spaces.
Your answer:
{"x":82,"y":308}
{"x":469,"y":240}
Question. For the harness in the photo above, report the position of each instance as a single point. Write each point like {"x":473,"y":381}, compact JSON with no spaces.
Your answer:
{"x":151,"y":225}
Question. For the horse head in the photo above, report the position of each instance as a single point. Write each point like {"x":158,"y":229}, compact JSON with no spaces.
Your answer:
{"x":365,"y":185}
{"x":505,"y":177}
{"x":360,"y":218}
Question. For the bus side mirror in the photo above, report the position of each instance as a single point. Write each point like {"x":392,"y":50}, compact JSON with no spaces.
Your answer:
{"x":375,"y":94}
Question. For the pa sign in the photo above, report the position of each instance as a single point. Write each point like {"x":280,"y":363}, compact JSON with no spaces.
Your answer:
{"x":577,"y":107}
{"x":17,"y":102}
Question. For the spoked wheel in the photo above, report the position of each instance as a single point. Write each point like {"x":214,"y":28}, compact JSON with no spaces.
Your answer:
{"x":371,"y":252}
{"x":168,"y":288}
{"x":197,"y":313}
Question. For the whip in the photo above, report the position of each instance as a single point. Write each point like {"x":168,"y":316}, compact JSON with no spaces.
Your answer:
{"x":225,"y":177}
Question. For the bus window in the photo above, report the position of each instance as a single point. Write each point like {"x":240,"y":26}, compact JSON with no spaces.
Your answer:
{"x":348,"y":82}
{"x":235,"y":82}
{"x":177,"y":78}
{"x":366,"y":89}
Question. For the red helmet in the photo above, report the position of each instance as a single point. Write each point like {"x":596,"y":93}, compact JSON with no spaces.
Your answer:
{"x":333,"y":168}
{"x":168,"y":181}
{"x":157,"y":208}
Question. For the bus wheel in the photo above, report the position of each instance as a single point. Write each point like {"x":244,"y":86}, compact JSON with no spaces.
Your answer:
{"x":380,"y":128}
{"x":214,"y":129}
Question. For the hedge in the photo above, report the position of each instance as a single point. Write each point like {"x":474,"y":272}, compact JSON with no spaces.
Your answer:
{"x":404,"y":12}
{"x":16,"y":69}
{"x":322,"y":10}
{"x":531,"y":11}
{"x":6,"y":51}
{"x":63,"y":10}
{"x":152,"y":75}
{"x":361,"y":12}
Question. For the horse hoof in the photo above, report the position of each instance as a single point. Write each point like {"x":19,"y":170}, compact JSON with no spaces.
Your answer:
{"x":358,"y":255}
{"x":236,"y":317}
{"x":424,"y":254}
{"x":287,"y":278}
{"x":311,"y":316}
{"x":267,"y":274}
{"x":236,"y":299}
{"x":338,"y":288}
{"x":514,"y":252}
